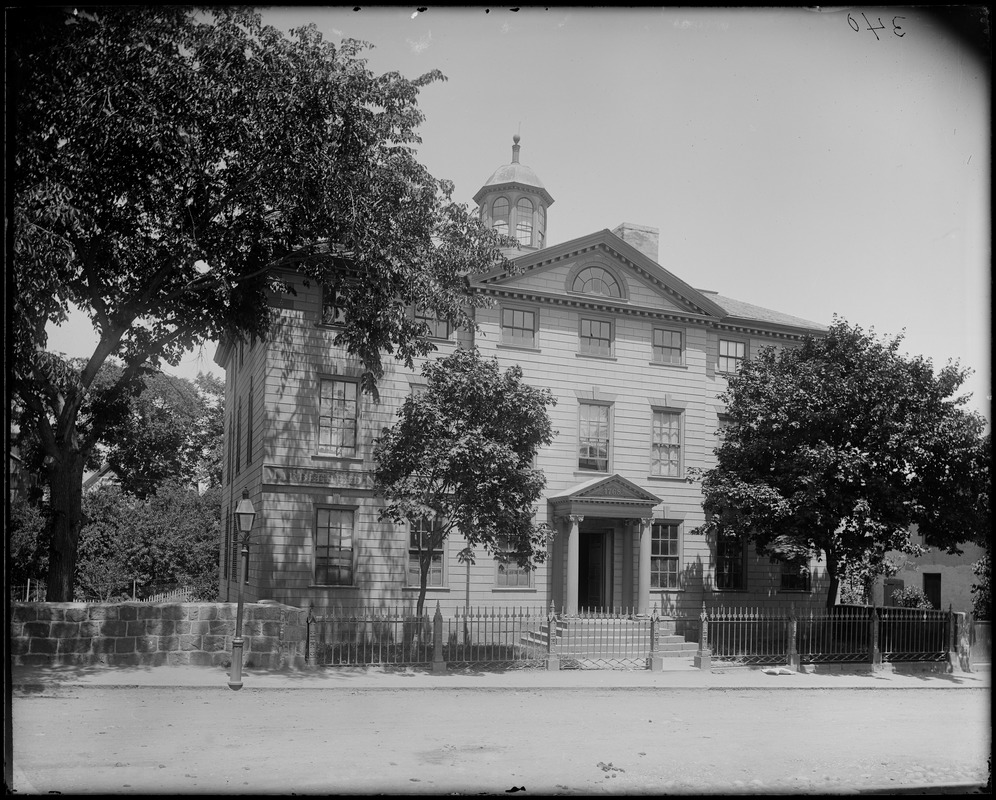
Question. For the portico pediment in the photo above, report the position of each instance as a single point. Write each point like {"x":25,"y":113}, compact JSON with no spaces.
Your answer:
{"x":609,"y":496}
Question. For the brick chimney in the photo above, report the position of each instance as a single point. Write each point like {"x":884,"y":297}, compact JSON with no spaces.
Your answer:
{"x":642,"y":237}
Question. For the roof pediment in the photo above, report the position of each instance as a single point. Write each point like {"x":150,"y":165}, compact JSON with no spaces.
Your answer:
{"x":610,"y":495}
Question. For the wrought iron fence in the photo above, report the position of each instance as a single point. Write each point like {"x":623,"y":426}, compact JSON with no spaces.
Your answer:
{"x":748,"y":635}
{"x":360,"y":637}
{"x":839,"y":635}
{"x":599,"y":639}
{"x":509,"y":637}
{"x":912,"y":634}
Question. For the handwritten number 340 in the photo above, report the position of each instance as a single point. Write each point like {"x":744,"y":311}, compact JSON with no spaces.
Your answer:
{"x":875,"y":29}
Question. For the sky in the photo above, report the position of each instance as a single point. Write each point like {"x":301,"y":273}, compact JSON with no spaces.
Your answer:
{"x":819,"y":163}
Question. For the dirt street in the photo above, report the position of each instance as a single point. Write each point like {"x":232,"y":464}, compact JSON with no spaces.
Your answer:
{"x":551,"y":741}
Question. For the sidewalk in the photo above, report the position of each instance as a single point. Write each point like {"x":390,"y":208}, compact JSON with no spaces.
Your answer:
{"x":35,"y":680}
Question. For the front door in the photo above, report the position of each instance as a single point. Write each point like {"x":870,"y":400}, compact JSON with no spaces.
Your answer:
{"x":591,"y":571}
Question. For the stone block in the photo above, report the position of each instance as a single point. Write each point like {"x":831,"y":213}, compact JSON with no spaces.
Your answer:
{"x":205,"y":611}
{"x":270,"y":628}
{"x":124,"y":644}
{"x":137,"y":627}
{"x":201,"y":659}
{"x":173,"y":611}
{"x":49,"y":646}
{"x":181,"y":627}
{"x":265,"y":612}
{"x":63,"y":630}
{"x":215,"y":643}
{"x":103,"y":645}
{"x":91,"y":627}
{"x":103,"y":612}
{"x":221,"y":628}
{"x":76,"y":614}
{"x":150,"y":611}
{"x":153,"y":626}
{"x":124,"y":659}
{"x":169,"y":643}
{"x":200,"y":627}
{"x":114,"y":627}
{"x":35,"y":660}
{"x":146,"y":644}
{"x":264,"y":644}
{"x":76,"y":644}
{"x":156,"y":659}
{"x":128,"y":611}
{"x":226,"y":611}
{"x":19,"y":646}
{"x":37,"y":630}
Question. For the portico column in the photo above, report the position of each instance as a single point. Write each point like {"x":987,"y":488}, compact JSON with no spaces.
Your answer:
{"x":627,"y":566}
{"x":573,"y":543}
{"x":643,"y":579}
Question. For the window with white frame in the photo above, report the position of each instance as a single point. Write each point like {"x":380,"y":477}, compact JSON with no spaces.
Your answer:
{"x":595,"y":337}
{"x":665,"y":444}
{"x":664,"y":556}
{"x":597,"y":281}
{"x":593,"y":437}
{"x":731,"y":561}
{"x":524,"y":221}
{"x":518,"y":327}
{"x":795,"y":575}
{"x":510,"y":574}
{"x":423,"y":534}
{"x":338,"y":417}
{"x":334,"y":546}
{"x":438,"y":328}
{"x":499,"y":215}
{"x":731,"y":354}
{"x":668,"y":346}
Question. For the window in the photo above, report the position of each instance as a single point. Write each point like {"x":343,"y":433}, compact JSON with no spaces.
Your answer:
{"x":730,"y":562}
{"x":331,"y":313}
{"x":795,"y":576}
{"x":438,"y":328}
{"x":667,"y":347}
{"x":510,"y":574}
{"x":334,"y":547}
{"x":665,"y":446}
{"x":231,"y":547}
{"x":423,"y":533}
{"x":249,"y":427}
{"x":596,"y":280}
{"x":540,"y":226}
{"x":499,"y":216}
{"x":238,"y":439}
{"x":596,"y":337}
{"x":518,"y":327}
{"x":731,"y":355}
{"x":231,"y":449}
{"x":524,"y":221}
{"x":593,"y":442}
{"x":664,"y":556}
{"x":337,"y":417}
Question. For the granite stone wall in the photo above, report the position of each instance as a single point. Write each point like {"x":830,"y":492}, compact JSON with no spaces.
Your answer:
{"x":155,"y":634}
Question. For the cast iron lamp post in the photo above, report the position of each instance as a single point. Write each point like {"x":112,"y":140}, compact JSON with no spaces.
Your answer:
{"x":245,"y":515}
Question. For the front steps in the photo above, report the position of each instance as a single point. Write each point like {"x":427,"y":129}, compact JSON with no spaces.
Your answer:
{"x":609,"y":638}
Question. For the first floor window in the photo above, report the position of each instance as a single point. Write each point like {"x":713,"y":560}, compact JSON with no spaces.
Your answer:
{"x":665,"y":452}
{"x":510,"y":574}
{"x":664,"y":556}
{"x":593,"y":444}
{"x":795,"y":575}
{"x":337,"y":417}
{"x":334,"y":547}
{"x":518,"y":327}
{"x":731,"y":355}
{"x":425,"y":533}
{"x":667,"y":346}
{"x":730,"y":562}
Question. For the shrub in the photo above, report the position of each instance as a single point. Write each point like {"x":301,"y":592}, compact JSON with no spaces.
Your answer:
{"x":911,"y":597}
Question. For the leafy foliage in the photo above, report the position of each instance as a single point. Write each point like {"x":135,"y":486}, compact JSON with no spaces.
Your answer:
{"x":982,"y":591}
{"x":169,"y":164}
{"x":837,"y":447}
{"x":27,"y":542}
{"x":461,"y":454}
{"x":911,"y":597}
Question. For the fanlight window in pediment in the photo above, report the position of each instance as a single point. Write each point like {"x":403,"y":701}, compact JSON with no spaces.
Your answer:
{"x":597,"y":281}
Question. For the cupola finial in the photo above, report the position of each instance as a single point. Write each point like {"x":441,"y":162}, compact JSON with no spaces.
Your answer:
{"x":515,"y":149}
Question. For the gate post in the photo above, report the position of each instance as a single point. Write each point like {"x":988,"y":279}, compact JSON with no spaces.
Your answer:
{"x":875,"y":653}
{"x":655,"y":660}
{"x":311,"y":659}
{"x":552,"y":657}
{"x":703,"y":658}
{"x":953,"y":663}
{"x":794,"y":662}
{"x":438,"y":665}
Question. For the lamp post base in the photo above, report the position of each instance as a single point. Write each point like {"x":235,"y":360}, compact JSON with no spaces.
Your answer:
{"x":236,"y":677}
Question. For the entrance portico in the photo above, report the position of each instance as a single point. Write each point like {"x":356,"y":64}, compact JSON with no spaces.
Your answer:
{"x":590,"y":515}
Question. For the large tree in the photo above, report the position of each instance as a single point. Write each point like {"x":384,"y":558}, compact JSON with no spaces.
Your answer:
{"x":168,"y":163}
{"x":460,"y":458}
{"x":836,"y":448}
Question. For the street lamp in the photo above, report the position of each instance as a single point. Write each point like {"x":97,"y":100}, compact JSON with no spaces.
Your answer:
{"x":245,"y":515}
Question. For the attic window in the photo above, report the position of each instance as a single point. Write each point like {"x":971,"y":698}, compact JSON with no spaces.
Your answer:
{"x":597,"y":281}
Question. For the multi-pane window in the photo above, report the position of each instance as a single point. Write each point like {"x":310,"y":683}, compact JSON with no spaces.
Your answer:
{"x":596,"y":280}
{"x":331,"y":313}
{"x":795,"y":575}
{"x":334,"y":547}
{"x":238,"y":439}
{"x":510,"y":574}
{"x":425,"y":533}
{"x":667,"y":346}
{"x":499,"y":215}
{"x":731,"y":354}
{"x":665,"y":445}
{"x":249,"y":426}
{"x":596,"y":337}
{"x":730,"y":562}
{"x":337,"y":417}
{"x":518,"y":327}
{"x":541,"y":226}
{"x":438,"y":328}
{"x":664,"y":556}
{"x":524,"y":221}
{"x":232,"y":546}
{"x":593,"y":440}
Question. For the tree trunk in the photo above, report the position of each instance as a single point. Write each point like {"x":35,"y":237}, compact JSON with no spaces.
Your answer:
{"x":834,"y":588}
{"x":66,"y":503}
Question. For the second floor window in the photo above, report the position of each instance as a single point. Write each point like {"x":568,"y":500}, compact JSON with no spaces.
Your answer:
{"x":596,"y":337}
{"x":438,"y":328}
{"x":331,"y":313}
{"x":667,"y":346}
{"x":337,"y":417}
{"x":518,"y":327}
{"x":731,"y":355}
{"x":593,"y":440}
{"x":665,"y":447}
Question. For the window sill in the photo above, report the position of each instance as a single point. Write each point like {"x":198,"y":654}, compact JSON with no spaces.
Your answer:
{"x":524,"y":347}
{"x":727,"y":591}
{"x":427,"y":589}
{"x":667,"y":478}
{"x":667,"y":365}
{"x":795,"y":591}
{"x":666,"y":591}
{"x":591,"y":473}
{"x":343,"y":459}
{"x":595,"y":357}
{"x":503,"y":589}
{"x":332,"y":586}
